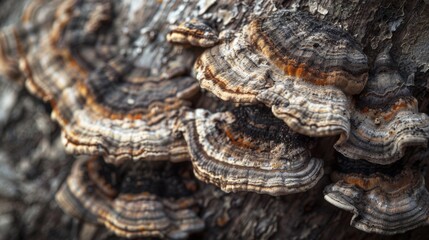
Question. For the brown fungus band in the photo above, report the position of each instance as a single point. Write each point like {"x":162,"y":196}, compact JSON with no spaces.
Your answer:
{"x":248,"y":149}
{"x":385,"y":199}
{"x":144,"y":201}
{"x":302,"y":68}
{"x":385,"y":120}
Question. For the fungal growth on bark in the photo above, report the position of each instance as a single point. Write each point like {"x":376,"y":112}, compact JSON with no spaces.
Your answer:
{"x":301,"y":68}
{"x":147,"y":136}
{"x":386,"y":199}
{"x":248,"y":149}
{"x":385,"y":119}
{"x":123,"y":81}
{"x":145,"y":201}
{"x":107,"y":99}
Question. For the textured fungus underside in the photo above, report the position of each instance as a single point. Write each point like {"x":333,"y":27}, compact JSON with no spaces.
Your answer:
{"x":147,"y":201}
{"x":386,"y":199}
{"x":248,"y":149}
{"x":385,"y":119}
{"x":302,"y":68}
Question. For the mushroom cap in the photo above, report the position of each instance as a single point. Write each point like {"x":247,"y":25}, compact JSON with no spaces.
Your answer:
{"x":385,"y":199}
{"x":301,"y":68}
{"x":146,"y":202}
{"x":303,"y":46}
{"x":385,"y":121}
{"x":147,"y":136}
{"x":248,"y":149}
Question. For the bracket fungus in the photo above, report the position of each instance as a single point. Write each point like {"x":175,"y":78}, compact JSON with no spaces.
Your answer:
{"x":148,"y":136}
{"x":385,"y":120}
{"x":386,"y":199}
{"x":120,"y":78}
{"x":143,"y":202}
{"x":302,"y":68}
{"x":248,"y":149}
{"x":108,"y":99}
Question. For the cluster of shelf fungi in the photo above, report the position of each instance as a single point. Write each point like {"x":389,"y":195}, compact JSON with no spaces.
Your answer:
{"x":141,"y":87}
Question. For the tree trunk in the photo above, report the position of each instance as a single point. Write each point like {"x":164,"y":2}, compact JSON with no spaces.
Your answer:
{"x":33,"y":163}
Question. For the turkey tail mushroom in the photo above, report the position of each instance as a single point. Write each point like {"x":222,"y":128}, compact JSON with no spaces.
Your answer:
{"x":385,"y":120}
{"x":385,"y":199}
{"x":121,"y":119}
{"x":118,"y":78}
{"x":146,"y":202}
{"x":248,"y":149}
{"x":300,"y":67}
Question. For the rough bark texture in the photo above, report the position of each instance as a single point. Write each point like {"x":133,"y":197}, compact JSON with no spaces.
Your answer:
{"x":33,"y":163}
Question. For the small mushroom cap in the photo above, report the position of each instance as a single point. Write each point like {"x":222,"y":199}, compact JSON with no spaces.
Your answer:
{"x":385,"y":199}
{"x":248,"y":149}
{"x":301,"y":68}
{"x":193,"y":33}
{"x":385,"y":120}
{"x":148,"y":202}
